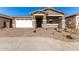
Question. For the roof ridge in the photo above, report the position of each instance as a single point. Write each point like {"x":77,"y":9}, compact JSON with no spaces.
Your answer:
{"x":48,"y":8}
{"x":53,"y":9}
{"x":72,"y":14}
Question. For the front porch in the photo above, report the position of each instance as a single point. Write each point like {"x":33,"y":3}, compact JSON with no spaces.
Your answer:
{"x":44,"y":21}
{"x":54,"y":21}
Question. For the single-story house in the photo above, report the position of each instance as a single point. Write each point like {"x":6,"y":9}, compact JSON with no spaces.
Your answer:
{"x":74,"y":19}
{"x":5,"y":21}
{"x":45,"y":18}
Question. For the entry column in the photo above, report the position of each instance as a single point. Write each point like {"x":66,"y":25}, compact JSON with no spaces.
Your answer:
{"x":44,"y":21}
{"x":63,"y":22}
{"x":34,"y":21}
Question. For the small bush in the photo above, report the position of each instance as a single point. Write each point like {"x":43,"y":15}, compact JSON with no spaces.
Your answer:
{"x":58,"y":31}
{"x":34,"y":31}
{"x":46,"y":29}
{"x":69,"y":36}
{"x":55,"y":28}
{"x":65,"y":30}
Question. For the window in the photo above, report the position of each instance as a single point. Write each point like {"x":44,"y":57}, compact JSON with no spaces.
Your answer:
{"x":50,"y":21}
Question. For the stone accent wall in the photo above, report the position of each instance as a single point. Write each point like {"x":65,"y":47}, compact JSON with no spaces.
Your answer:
{"x":13,"y":23}
{"x":63,"y":23}
{"x":44,"y":24}
{"x":33,"y":23}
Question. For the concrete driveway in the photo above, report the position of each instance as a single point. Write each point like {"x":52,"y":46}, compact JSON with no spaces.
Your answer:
{"x":36,"y":44}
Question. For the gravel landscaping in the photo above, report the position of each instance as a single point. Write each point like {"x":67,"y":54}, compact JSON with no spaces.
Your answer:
{"x":41,"y":40}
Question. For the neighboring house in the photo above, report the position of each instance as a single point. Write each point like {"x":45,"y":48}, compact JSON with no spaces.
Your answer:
{"x":72,"y":18}
{"x":45,"y":18}
{"x":5,"y":21}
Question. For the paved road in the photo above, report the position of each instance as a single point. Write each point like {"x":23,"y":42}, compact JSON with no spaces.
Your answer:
{"x":35,"y":44}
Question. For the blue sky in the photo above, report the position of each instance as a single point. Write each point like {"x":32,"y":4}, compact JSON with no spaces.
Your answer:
{"x":23,"y":11}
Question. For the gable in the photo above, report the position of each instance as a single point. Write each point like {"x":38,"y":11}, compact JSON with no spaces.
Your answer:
{"x":48,"y":11}
{"x":38,"y":12}
{"x":51,"y":11}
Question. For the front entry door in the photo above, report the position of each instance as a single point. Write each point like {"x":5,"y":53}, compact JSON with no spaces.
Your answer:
{"x":39,"y":21}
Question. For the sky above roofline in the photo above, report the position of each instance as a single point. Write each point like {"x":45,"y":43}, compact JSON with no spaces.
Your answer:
{"x":25,"y":11}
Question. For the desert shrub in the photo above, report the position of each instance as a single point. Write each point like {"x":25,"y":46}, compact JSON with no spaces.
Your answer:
{"x":55,"y":28}
{"x":46,"y":29}
{"x":34,"y":31}
{"x":69,"y":37}
{"x":59,"y":31}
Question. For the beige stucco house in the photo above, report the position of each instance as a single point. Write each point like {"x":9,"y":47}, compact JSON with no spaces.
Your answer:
{"x":45,"y":18}
{"x":72,"y":18}
{"x":5,"y":21}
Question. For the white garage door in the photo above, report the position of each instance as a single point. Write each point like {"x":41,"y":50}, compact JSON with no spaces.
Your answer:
{"x":23,"y":23}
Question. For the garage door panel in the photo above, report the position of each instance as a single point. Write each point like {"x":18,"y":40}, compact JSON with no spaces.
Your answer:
{"x":23,"y":23}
